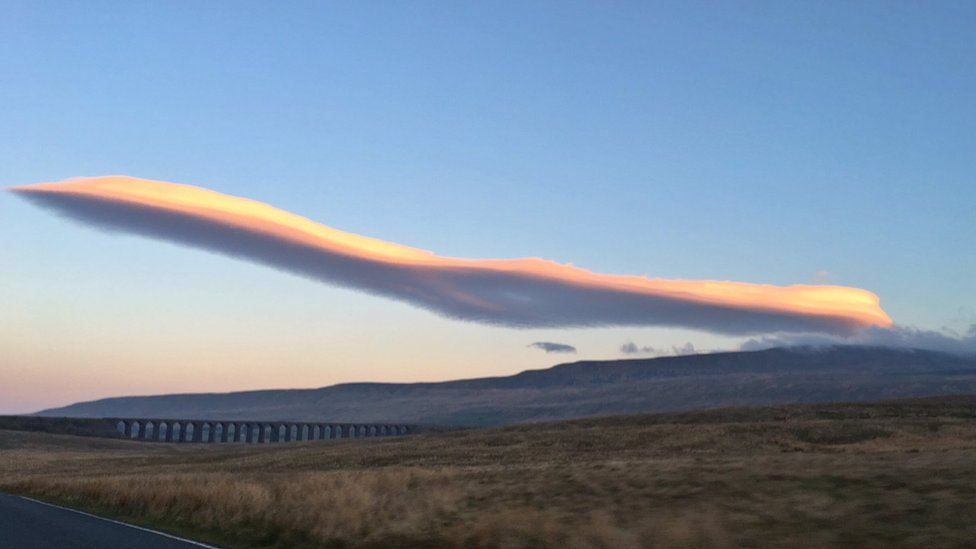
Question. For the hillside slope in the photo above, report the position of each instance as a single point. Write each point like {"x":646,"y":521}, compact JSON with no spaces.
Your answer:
{"x":582,"y":389}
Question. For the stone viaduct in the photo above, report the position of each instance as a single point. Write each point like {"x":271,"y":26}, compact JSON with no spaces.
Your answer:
{"x":192,"y":430}
{"x":182,"y":430}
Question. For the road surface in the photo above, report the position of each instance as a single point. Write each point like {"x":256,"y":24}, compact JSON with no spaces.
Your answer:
{"x":29,"y":524}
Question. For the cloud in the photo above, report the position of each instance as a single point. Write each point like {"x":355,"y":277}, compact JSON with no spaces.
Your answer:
{"x":631,"y":348}
{"x":905,"y":337}
{"x":686,"y":349}
{"x":509,"y":292}
{"x":551,"y":347}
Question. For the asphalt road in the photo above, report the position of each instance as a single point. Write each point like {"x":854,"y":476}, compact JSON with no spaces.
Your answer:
{"x":27,"y":524}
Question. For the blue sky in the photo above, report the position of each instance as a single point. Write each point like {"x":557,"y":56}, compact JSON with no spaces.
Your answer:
{"x":770,"y":142}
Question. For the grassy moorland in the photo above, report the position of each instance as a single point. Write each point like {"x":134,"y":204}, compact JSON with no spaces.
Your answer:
{"x":890,"y":474}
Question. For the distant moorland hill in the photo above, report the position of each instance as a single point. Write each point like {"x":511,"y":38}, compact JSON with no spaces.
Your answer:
{"x":584,"y":389}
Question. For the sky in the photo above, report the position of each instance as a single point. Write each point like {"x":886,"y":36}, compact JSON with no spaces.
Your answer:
{"x":763,"y":142}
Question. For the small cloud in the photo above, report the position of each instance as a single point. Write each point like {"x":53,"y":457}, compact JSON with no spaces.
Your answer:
{"x":631,"y":348}
{"x":550,"y":347}
{"x":686,"y":349}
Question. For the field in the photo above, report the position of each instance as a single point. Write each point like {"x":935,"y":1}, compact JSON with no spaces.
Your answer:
{"x":890,"y":474}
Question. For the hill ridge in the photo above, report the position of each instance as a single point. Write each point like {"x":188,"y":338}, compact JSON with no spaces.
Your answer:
{"x":586,"y":388}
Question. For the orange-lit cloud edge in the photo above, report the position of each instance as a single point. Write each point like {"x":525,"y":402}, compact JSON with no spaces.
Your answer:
{"x":518,"y":292}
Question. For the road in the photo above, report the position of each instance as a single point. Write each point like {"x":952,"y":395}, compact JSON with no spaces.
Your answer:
{"x":28,"y":524}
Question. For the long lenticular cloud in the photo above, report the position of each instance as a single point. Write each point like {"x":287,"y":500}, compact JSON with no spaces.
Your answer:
{"x":511,"y":292}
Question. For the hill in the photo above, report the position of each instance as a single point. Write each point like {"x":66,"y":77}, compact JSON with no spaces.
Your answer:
{"x":584,"y":389}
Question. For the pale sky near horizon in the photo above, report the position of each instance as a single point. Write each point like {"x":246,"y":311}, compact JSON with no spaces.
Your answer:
{"x":766,"y":142}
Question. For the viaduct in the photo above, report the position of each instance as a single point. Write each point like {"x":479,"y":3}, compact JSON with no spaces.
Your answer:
{"x":176,"y":430}
{"x":204,"y":431}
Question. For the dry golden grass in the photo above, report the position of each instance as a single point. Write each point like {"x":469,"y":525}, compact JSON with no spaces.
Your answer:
{"x":858,"y":476}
